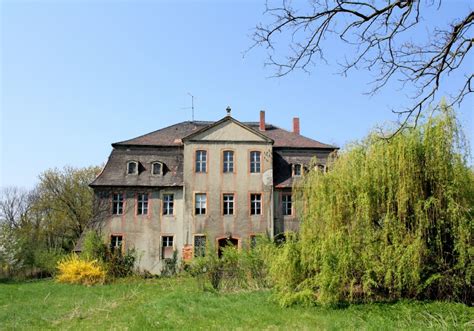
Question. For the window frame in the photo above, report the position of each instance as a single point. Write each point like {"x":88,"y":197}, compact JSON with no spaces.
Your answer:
{"x":259,"y":162}
{"x":153,"y":168}
{"x":251,"y":203}
{"x":203,"y":249}
{"x":164,"y":203}
{"x":226,"y":210}
{"x":284,"y":208}
{"x":128,"y":167}
{"x":195,"y":203}
{"x":118,"y":201}
{"x":201,"y":162}
{"x":295,"y":166}
{"x":122,"y":241}
{"x":229,"y":163}
{"x":144,"y":203}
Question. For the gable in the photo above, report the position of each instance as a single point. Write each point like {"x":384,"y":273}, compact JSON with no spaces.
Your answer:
{"x":228,"y":130}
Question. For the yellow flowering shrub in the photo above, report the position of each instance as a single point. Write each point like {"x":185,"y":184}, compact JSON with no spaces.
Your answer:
{"x":75,"y":270}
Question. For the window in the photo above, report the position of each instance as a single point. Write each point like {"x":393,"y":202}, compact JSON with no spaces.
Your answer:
{"x":157,"y":168}
{"x":228,"y":204}
{"x":132,"y":167}
{"x":201,"y":161}
{"x":167,"y":247}
{"x":297,"y":169}
{"x":142,"y":201}
{"x":253,"y":241}
{"x":168,"y":204}
{"x":254,"y":162}
{"x":228,"y":161}
{"x":199,"y":245}
{"x":255,"y":204}
{"x":117,"y":203}
{"x":116,"y":243}
{"x":200,"y":204}
{"x":286,"y":204}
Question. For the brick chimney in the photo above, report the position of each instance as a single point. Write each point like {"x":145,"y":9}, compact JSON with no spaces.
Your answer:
{"x":296,"y":125}
{"x":262,"y":120}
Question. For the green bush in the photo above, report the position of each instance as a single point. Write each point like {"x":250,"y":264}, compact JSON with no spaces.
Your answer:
{"x":391,"y":219}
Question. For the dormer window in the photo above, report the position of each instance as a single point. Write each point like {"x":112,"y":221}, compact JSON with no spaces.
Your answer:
{"x":297,"y":169}
{"x":157,"y":168}
{"x":132,"y":168}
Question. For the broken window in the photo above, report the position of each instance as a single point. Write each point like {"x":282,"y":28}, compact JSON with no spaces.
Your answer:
{"x":228,"y":161}
{"x":255,"y":204}
{"x":142,"y":200}
{"x":286,"y":204}
{"x":200,"y":204}
{"x":116,"y":243}
{"x":201,"y":161}
{"x":199,"y":245}
{"x":117,"y":203}
{"x":132,"y":167}
{"x":168,"y":204}
{"x":228,"y":204}
{"x":254,"y":161}
{"x":167,"y":247}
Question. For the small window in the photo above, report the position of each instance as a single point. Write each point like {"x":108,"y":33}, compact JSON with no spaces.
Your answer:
{"x":253,"y":241}
{"x":199,"y":245}
{"x":286,"y":204}
{"x":201,"y":161}
{"x":228,"y":204}
{"x":200,"y":204}
{"x":132,"y":168}
{"x":116,"y":243}
{"x":228,"y":161}
{"x":168,"y":204}
{"x":142,"y":201}
{"x":255,"y":204}
{"x":117,"y":203}
{"x":167,"y":247}
{"x":157,"y":168}
{"x":297,"y":169}
{"x":254,"y":162}
{"x":320,"y":167}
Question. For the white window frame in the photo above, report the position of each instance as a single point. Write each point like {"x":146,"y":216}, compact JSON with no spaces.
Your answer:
{"x":228,"y":204}
{"x":168,"y":204}
{"x":256,"y":203}
{"x":287,"y":204}
{"x":142,"y":203}
{"x":228,"y":161}
{"x":201,"y":160}
{"x":117,"y":198}
{"x":201,"y":204}
{"x":255,"y":162}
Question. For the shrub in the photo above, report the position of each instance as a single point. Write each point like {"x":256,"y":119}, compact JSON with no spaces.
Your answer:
{"x":391,"y":219}
{"x":75,"y":270}
{"x":170,"y":267}
{"x":120,"y":264}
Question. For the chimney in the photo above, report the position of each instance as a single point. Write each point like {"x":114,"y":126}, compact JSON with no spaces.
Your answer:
{"x":262,"y":120}
{"x":296,"y":125}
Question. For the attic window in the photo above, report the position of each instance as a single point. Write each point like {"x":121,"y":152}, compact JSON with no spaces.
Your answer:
{"x":157,"y":168}
{"x":297,"y":169}
{"x":132,"y":168}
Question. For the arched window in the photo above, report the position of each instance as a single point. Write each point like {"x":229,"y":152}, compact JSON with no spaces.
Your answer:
{"x":132,"y":167}
{"x":157,"y":168}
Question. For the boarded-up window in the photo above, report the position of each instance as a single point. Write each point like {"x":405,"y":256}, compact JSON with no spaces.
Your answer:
{"x":199,"y":245}
{"x":167,"y":247}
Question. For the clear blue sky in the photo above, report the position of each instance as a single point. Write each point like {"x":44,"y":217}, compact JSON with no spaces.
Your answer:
{"x":79,"y":75}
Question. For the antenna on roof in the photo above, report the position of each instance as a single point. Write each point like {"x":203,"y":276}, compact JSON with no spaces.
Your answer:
{"x":192,"y":106}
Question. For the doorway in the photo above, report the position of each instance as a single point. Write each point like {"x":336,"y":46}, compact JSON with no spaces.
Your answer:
{"x":226,"y":242}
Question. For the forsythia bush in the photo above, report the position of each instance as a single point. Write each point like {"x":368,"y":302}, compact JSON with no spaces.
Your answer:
{"x":75,"y":270}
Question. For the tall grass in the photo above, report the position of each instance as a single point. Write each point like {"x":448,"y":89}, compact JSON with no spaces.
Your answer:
{"x":390,"y":219}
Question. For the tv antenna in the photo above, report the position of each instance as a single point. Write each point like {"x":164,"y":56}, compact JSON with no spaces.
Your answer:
{"x":192,"y":106}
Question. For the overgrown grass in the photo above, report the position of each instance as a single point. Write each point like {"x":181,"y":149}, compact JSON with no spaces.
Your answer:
{"x":177,"y":303}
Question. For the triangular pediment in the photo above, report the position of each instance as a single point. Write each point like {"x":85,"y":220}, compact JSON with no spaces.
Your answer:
{"x":228,"y":129}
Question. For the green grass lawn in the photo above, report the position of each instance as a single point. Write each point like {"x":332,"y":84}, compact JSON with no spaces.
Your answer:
{"x":178,"y":304}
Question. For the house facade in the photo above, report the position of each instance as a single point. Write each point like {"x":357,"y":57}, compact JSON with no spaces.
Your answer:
{"x":179,"y":187}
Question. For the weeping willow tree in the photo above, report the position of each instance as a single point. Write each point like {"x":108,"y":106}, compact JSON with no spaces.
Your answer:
{"x":389,"y":220}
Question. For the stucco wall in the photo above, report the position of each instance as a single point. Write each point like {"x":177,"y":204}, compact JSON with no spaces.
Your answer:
{"x":143,"y":232}
{"x":215,"y":183}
